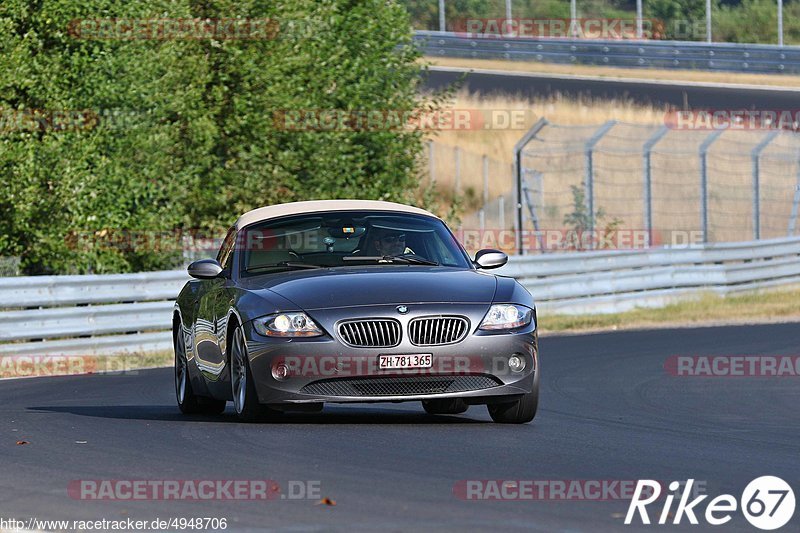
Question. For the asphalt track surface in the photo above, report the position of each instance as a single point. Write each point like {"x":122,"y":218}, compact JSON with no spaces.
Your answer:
{"x":609,"y":411}
{"x":659,"y":93}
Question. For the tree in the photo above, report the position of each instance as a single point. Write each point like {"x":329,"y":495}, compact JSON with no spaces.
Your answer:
{"x":179,"y":135}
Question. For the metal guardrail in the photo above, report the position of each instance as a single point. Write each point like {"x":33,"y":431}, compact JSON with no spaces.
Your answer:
{"x":89,"y":315}
{"x":615,"y":281}
{"x":733,"y":57}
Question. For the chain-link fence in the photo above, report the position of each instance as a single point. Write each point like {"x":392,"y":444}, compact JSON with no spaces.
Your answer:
{"x":620,"y":185}
{"x":483,"y":185}
{"x":700,"y":186}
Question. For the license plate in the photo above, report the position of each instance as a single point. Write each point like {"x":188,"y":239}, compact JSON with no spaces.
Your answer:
{"x":393,"y":362}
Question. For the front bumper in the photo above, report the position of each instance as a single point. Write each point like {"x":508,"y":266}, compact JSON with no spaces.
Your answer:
{"x":325,"y":370}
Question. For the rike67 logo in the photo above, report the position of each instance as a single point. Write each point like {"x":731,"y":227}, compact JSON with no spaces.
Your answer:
{"x":767,"y":503}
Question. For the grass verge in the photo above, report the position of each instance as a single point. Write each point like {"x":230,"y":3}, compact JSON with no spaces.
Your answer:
{"x":708,"y":310}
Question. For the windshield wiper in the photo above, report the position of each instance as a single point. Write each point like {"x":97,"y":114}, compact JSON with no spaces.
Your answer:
{"x":285,"y":264}
{"x":404,"y":258}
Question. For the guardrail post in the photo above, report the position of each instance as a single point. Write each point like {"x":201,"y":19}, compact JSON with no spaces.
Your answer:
{"x":648,"y":182}
{"x":588,"y":183}
{"x":755,"y":155}
{"x":704,"y":181}
{"x":521,"y":144}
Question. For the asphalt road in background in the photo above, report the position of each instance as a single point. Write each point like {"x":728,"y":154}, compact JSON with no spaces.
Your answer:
{"x":609,"y":411}
{"x":657,"y":93}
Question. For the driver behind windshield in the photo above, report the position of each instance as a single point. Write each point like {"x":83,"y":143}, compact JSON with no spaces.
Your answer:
{"x":389,"y":242}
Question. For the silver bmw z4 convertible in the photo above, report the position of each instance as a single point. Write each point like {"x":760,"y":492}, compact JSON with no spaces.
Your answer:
{"x":352,"y":301}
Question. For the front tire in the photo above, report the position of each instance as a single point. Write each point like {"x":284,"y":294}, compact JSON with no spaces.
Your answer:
{"x":519,"y":411}
{"x":243,"y":388}
{"x":188,"y":402}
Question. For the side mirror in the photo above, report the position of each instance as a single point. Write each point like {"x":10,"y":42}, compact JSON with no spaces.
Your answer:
{"x":205,"y":269}
{"x":489,"y":258}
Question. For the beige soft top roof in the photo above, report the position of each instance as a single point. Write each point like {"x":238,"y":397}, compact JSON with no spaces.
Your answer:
{"x":297,"y":208}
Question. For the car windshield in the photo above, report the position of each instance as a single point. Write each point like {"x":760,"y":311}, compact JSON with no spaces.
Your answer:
{"x":337,"y":239}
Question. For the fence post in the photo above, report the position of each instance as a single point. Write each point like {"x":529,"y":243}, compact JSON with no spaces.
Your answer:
{"x":704,"y":180}
{"x":755,"y":155}
{"x":638,"y":19}
{"x":485,"y":161}
{"x":521,"y":144}
{"x":648,"y":182}
{"x":457,"y":156}
{"x":431,"y":170}
{"x":532,"y":210}
{"x":795,"y":204}
{"x":501,"y":213}
{"x":442,"y":22}
{"x":588,"y":183}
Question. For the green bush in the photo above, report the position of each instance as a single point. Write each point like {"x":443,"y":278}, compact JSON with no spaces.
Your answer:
{"x":741,"y":21}
{"x":755,"y":21}
{"x":187,"y":140}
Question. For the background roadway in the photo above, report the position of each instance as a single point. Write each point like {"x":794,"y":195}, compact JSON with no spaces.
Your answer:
{"x":658,"y":93}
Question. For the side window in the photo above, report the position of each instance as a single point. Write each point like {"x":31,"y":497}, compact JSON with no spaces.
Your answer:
{"x":226,"y":250}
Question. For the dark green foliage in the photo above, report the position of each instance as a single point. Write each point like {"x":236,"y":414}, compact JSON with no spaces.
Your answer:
{"x":183,"y":136}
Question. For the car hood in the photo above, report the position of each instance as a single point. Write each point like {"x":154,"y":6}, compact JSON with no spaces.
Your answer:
{"x":376,"y":285}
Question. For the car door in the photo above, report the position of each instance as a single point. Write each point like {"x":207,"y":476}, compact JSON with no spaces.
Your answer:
{"x":212,"y":313}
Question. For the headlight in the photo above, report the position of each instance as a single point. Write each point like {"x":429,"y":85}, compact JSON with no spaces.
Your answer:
{"x":506,"y":316}
{"x":287,"y":325}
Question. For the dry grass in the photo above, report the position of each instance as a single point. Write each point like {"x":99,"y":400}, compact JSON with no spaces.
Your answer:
{"x":778,"y":305}
{"x":616,"y":72}
{"x":618,"y":168}
{"x":498,"y":145}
